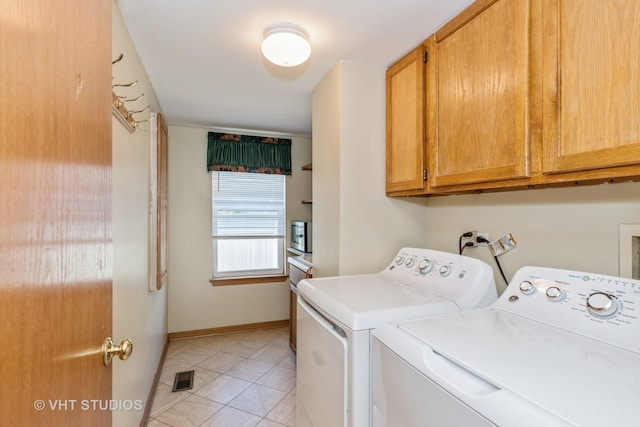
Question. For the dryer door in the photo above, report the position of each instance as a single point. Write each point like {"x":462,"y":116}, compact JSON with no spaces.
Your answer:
{"x":321,"y":370}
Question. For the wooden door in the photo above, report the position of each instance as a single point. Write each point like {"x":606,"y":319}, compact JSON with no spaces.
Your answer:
{"x":479,"y":123}
{"x":405,"y":162}
{"x":55,"y":211}
{"x":591,"y":72}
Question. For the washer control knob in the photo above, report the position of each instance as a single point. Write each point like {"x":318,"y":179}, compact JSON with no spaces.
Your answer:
{"x":445,"y":270}
{"x":425,"y":266}
{"x":601,"y":304}
{"x":527,"y":288}
{"x":409,"y":262}
{"x":555,"y":294}
{"x":399,"y":259}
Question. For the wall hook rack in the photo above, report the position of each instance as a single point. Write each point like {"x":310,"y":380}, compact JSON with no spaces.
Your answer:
{"x":120,"y":111}
{"x":118,"y":107}
{"x":132,"y":100}
{"x":139,"y":111}
{"x":133,"y":83}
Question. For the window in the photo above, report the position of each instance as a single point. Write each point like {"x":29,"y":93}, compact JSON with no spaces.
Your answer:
{"x":248,"y":211}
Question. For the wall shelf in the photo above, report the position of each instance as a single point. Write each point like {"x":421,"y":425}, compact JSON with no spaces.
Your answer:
{"x":308,"y":167}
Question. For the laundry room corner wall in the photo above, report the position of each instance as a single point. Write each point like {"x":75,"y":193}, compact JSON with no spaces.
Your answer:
{"x":138,"y":314}
{"x":356,"y":229}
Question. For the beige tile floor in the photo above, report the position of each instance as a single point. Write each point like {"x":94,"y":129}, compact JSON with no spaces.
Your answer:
{"x":241,"y":379}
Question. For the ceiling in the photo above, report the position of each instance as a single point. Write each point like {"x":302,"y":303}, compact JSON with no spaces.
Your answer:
{"x":203,"y":56}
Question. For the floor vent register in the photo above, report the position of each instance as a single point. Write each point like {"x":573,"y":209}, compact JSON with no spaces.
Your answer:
{"x":183,"y":381}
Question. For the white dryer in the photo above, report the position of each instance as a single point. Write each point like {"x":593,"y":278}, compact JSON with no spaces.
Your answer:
{"x":337,"y":314}
{"x":558,"y":348}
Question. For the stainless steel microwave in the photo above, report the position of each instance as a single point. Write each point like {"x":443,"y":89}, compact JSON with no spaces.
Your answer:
{"x":301,"y":236}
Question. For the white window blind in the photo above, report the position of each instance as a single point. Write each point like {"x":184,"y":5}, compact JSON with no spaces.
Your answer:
{"x":248,"y":215}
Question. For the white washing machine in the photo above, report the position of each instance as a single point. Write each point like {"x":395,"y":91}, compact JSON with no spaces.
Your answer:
{"x":336,"y":315}
{"x":558,"y":348}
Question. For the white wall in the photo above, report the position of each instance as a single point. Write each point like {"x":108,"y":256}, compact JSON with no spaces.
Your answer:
{"x":138,"y":314}
{"x":326,"y":175}
{"x":356,"y":229}
{"x":194,"y":303}
{"x":573,"y":228}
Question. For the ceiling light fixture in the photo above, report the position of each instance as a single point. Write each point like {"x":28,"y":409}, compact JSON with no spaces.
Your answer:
{"x":286,"y":45}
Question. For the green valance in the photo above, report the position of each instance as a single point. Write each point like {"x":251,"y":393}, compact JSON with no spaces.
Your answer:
{"x":245,"y":153}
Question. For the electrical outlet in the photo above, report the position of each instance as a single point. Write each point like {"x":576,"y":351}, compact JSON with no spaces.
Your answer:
{"x":483,"y":235}
{"x":503,"y":244}
{"x":471,"y":239}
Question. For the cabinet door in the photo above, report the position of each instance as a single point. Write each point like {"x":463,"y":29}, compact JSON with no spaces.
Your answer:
{"x":405,"y":123}
{"x":591,"y":84}
{"x":480,"y":87}
{"x":163,"y":155}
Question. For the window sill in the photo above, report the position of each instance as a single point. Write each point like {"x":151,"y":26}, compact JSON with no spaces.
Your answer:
{"x":247,"y":280}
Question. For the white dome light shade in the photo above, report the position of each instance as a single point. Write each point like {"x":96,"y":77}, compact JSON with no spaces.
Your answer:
{"x":286,"y":45}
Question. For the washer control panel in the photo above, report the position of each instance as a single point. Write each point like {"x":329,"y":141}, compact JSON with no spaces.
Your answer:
{"x":606,"y":308}
{"x":455,"y":277}
{"x":428,"y":263}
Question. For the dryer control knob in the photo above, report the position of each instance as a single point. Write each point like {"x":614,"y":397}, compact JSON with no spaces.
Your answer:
{"x":445,"y":270}
{"x":555,"y":294}
{"x":527,"y":288}
{"x":601,"y":304}
{"x":409,"y":262}
{"x":425,"y":266}
{"x":399,"y":259}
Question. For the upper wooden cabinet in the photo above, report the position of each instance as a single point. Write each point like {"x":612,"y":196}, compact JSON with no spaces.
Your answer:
{"x":405,"y":123}
{"x":479,"y":124}
{"x":591,"y":84}
{"x":520,"y":94}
